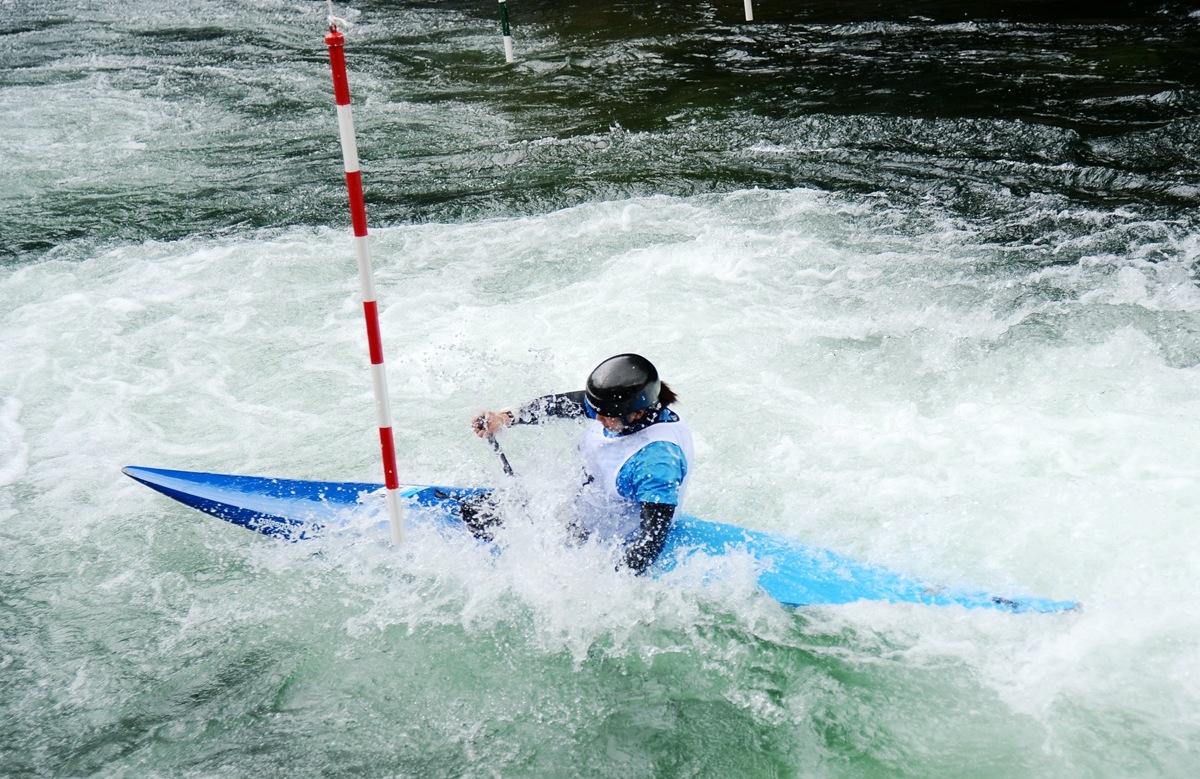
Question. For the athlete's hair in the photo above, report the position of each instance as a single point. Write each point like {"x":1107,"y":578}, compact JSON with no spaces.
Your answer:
{"x":666,"y":396}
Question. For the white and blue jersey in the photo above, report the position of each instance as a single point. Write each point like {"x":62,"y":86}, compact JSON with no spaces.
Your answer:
{"x":651,"y":465}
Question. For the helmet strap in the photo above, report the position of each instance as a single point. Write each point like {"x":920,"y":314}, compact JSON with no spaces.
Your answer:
{"x":649,"y":417}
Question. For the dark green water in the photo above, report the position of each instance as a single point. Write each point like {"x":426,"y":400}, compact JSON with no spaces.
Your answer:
{"x":998,"y":111}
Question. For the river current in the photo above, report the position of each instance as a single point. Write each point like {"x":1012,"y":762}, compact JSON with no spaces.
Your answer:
{"x":924,"y":275}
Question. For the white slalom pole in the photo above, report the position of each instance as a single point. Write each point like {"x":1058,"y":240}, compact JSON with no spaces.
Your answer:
{"x":509,"y":55}
{"x":358,"y":218}
{"x":749,"y":10}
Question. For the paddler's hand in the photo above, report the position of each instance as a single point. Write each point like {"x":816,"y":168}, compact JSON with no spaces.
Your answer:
{"x":489,"y":423}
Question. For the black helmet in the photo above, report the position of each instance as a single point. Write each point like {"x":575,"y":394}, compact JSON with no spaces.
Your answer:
{"x":622,"y":385}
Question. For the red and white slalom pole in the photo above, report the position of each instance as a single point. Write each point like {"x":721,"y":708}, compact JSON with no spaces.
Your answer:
{"x":358,"y":217}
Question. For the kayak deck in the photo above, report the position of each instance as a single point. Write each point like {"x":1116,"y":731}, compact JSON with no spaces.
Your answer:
{"x":793,"y":573}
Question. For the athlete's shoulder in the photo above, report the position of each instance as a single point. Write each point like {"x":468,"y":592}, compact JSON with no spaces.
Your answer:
{"x":654,"y":473}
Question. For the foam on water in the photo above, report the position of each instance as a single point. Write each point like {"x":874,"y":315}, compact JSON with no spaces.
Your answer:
{"x":893,"y":392}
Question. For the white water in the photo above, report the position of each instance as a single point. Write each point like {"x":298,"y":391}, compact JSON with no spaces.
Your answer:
{"x":901,"y":394}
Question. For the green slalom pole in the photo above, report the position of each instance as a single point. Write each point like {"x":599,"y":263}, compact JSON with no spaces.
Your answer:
{"x":509,"y":56}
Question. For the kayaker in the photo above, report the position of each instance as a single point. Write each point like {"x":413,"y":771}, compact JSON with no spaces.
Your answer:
{"x":636,"y":454}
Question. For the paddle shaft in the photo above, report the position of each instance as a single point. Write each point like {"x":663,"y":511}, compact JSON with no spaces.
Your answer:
{"x":508,"y":471}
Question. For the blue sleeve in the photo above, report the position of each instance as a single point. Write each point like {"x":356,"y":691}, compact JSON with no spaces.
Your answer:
{"x":653,"y":474}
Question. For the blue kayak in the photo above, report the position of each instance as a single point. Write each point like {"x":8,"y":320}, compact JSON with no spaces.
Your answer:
{"x":793,"y":573}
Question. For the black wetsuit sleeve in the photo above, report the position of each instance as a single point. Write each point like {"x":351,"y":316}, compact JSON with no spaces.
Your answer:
{"x":567,"y":405}
{"x":647,"y":545}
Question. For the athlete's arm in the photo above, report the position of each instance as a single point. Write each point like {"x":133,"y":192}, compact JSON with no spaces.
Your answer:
{"x":567,"y":405}
{"x":647,"y":543}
